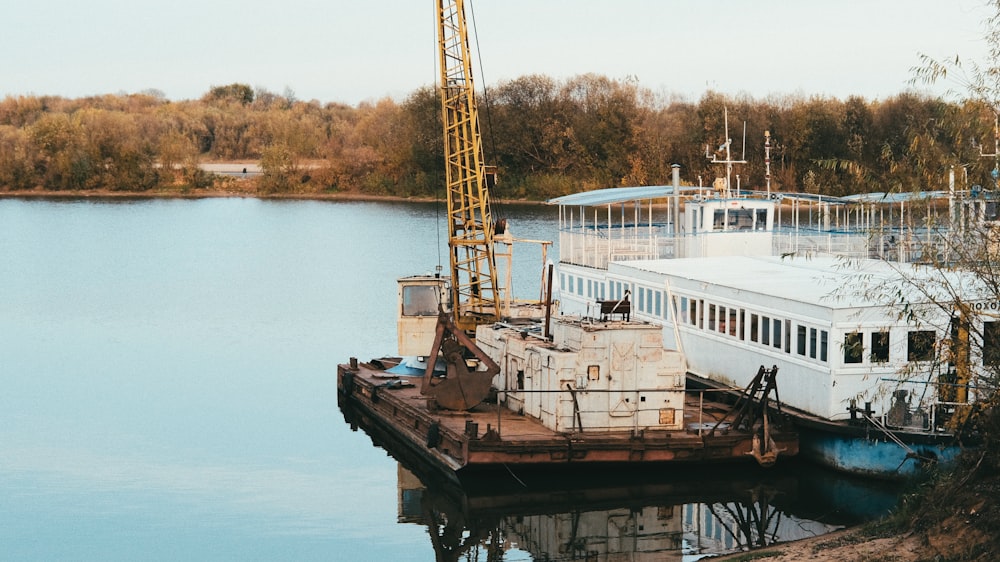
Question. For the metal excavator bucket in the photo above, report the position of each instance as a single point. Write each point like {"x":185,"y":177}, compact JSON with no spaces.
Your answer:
{"x":461,"y":388}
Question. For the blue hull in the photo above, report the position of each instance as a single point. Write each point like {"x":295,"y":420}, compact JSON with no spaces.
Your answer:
{"x":870,"y":456}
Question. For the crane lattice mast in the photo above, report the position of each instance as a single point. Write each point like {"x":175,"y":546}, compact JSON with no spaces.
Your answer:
{"x":470,"y":222}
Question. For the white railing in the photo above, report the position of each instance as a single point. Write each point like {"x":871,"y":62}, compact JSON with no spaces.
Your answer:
{"x":591,"y":247}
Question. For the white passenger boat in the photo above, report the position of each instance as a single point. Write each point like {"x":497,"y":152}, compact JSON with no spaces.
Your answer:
{"x":734,"y":292}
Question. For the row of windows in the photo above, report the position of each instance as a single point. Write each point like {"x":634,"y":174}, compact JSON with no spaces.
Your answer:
{"x":766,"y":331}
{"x":921,"y":345}
{"x":771,"y":332}
{"x":581,"y":286}
{"x":651,"y":302}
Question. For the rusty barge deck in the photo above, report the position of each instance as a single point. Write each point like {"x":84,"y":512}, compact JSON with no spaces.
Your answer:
{"x":491,"y":435}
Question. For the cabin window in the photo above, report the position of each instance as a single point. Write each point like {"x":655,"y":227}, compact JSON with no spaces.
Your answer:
{"x":824,"y":340}
{"x":719,"y":222}
{"x":420,"y":300}
{"x":660,"y":311}
{"x":812,"y":343}
{"x":642,"y":299}
{"x":711,"y":317}
{"x":579,"y":286}
{"x":853,"y":348}
{"x":562,"y":281}
{"x":760,"y":223}
{"x":991,"y":344}
{"x":959,"y":345}
{"x":736,"y":323}
{"x":741,"y":219}
{"x":765,"y":330}
{"x":920,"y":345}
{"x":700,"y":313}
{"x":722,"y":320}
{"x":800,"y":340}
{"x":753,"y":328}
{"x":788,"y":336}
{"x":880,"y":347}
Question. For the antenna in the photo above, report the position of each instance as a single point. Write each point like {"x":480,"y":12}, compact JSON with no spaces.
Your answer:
{"x":767,"y":161}
{"x":729,"y":160}
{"x":744,"y":155}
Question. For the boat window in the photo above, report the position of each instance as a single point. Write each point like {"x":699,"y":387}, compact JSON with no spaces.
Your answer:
{"x":788,"y":336}
{"x":659,"y":305}
{"x":711,"y":317}
{"x":753,"y":328}
{"x":579,"y":286}
{"x":719,"y":221}
{"x":765,"y":330}
{"x":741,"y":219}
{"x":920,"y":345}
{"x":760,"y":223}
{"x":723,"y":320}
{"x":800,"y":348}
{"x":880,"y":347}
{"x":420,"y":300}
{"x":824,"y":339}
{"x":991,"y":344}
{"x":959,"y":345}
{"x":700,"y":313}
{"x":562,"y":281}
{"x":812,"y":343}
{"x":853,"y":347}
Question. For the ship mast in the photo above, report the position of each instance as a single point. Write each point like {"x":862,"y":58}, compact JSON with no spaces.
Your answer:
{"x":729,"y":157}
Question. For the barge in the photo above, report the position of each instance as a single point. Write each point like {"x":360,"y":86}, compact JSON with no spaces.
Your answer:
{"x":592,"y":393}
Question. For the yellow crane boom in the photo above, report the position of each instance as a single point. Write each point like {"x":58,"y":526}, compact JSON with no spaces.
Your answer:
{"x":471,"y":227}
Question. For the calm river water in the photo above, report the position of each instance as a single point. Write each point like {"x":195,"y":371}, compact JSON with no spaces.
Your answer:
{"x":169,"y":393}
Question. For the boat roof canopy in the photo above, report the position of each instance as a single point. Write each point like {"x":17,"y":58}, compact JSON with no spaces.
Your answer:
{"x":616,"y":195}
{"x":613,"y":195}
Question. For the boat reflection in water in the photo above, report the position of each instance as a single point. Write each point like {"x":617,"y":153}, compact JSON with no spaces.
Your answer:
{"x":668,"y":513}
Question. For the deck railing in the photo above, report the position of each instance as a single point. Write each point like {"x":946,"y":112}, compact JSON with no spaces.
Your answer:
{"x":596,"y":247}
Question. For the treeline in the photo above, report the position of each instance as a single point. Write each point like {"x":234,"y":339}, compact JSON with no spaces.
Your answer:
{"x":547,"y":137}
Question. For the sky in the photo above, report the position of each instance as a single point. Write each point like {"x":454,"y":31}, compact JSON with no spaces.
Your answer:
{"x":352,"y":52}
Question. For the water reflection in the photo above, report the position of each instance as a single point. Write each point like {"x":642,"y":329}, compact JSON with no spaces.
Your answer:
{"x":606,"y":514}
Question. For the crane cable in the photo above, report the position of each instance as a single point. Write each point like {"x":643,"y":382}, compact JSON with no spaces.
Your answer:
{"x":495,"y":204}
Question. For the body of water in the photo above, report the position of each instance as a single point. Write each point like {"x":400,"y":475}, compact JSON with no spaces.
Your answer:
{"x":169,"y":393}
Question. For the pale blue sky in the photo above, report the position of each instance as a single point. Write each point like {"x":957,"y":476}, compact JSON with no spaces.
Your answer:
{"x":353,"y":51}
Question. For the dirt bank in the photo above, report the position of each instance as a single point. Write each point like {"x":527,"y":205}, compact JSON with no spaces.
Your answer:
{"x":848,"y":545}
